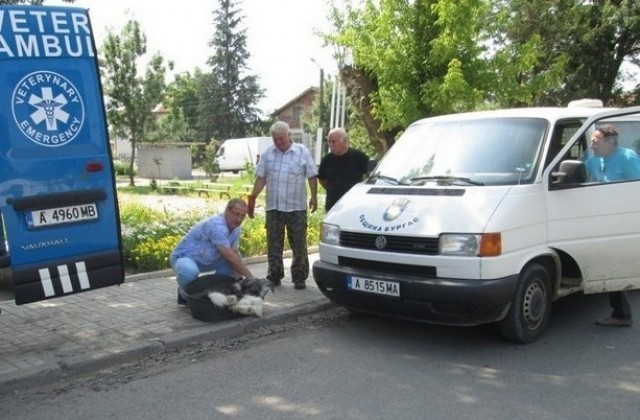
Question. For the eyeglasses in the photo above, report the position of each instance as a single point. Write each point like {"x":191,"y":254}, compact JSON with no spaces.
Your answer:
{"x":606,"y":129}
{"x":238,"y":214}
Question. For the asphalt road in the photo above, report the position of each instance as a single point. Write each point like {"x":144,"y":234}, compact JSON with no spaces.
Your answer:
{"x":334,"y":366}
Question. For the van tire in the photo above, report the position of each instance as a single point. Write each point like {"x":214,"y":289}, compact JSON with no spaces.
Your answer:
{"x":531,"y":308}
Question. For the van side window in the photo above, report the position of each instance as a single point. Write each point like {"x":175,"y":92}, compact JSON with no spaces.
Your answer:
{"x":562,"y":133}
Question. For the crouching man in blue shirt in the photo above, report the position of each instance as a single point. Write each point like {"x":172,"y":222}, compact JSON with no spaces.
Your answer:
{"x":211,"y":245}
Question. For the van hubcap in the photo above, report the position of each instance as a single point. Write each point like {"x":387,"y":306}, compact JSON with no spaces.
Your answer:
{"x":534,"y":305}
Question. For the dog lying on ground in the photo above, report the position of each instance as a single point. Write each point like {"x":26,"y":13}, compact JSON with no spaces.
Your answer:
{"x":244,"y":296}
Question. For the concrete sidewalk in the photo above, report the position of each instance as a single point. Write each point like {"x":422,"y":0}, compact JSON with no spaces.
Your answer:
{"x":47,"y":340}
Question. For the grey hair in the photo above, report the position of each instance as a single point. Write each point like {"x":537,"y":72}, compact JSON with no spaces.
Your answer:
{"x":341,"y":131}
{"x":279,"y":127}
{"x":235,"y":202}
{"x":608,"y":131}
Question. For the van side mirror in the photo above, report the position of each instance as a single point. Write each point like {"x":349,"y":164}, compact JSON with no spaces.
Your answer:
{"x":570,"y":172}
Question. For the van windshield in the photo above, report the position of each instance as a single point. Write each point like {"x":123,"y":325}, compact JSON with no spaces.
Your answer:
{"x":488,"y":151}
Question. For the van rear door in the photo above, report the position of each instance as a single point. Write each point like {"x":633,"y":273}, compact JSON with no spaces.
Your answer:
{"x":57,"y":186}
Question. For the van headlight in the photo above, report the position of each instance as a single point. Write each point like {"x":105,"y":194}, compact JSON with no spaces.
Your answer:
{"x":470,"y":244}
{"x":330,"y":234}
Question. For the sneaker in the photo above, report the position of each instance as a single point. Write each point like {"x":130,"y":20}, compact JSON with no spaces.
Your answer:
{"x":614,"y":322}
{"x":299,"y":285}
{"x":181,"y":300}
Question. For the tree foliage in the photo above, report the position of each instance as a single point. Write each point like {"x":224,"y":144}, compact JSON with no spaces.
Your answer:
{"x":577,"y":48}
{"x":228,"y":95}
{"x":131,"y":97}
{"x":407,"y":59}
{"x":182,"y":98}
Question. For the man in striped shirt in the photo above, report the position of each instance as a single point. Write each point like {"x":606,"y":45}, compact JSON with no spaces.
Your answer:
{"x":283,"y":169}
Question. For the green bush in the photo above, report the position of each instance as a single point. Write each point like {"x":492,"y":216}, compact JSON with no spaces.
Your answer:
{"x":149,"y":236}
{"x":153,"y":254}
{"x":210,"y":165}
{"x":122,"y":168}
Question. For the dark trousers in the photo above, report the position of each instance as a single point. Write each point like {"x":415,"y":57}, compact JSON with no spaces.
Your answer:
{"x":295,"y":225}
{"x":619,"y":302}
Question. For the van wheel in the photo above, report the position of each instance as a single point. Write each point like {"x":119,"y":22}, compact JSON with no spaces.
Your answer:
{"x":531,"y":308}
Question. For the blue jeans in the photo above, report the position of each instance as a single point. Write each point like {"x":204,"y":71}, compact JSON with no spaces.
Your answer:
{"x":187,"y":270}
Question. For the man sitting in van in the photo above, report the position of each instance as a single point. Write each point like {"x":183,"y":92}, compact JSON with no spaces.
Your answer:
{"x":612,"y":163}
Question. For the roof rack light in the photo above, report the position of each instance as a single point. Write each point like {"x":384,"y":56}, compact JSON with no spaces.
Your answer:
{"x":585,"y":103}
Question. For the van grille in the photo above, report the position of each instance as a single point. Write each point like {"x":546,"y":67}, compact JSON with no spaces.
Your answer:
{"x":382,"y":267}
{"x":401,"y":244}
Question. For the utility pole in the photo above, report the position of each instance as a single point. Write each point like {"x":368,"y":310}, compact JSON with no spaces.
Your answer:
{"x":321,"y":97}
{"x":319,"y":132}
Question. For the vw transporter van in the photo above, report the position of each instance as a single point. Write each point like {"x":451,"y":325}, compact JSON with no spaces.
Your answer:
{"x":486,"y":217}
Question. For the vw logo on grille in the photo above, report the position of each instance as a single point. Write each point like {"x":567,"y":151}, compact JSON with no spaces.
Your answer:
{"x":381,"y":242}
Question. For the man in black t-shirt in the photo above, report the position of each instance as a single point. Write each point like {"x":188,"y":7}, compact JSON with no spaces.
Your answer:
{"x":342,"y":168}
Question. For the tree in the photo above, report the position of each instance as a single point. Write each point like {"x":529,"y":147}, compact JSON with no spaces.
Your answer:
{"x":576,"y":48}
{"x":403,"y":60}
{"x":181,"y":100}
{"x":229,"y":94}
{"x":409,"y":60}
{"x":607,"y":34}
{"x":131,"y":98}
{"x":357,"y":134}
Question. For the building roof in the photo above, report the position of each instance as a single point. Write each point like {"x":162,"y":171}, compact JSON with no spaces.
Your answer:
{"x":304,"y":93}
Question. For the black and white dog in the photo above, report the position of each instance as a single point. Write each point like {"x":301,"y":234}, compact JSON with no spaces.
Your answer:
{"x":244,"y":296}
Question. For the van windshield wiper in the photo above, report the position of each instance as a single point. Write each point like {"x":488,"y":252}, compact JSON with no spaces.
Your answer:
{"x":447,"y":180}
{"x":385,"y":178}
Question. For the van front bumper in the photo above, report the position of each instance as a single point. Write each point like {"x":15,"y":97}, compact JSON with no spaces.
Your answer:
{"x":464,"y":302}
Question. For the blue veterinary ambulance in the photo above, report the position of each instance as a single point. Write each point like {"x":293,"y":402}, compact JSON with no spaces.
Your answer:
{"x":58,"y":199}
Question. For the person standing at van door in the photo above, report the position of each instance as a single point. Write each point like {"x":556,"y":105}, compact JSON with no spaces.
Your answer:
{"x":609,"y":161}
{"x":342,"y":168}
{"x":283,"y":169}
{"x":612,"y":163}
{"x":211,"y":245}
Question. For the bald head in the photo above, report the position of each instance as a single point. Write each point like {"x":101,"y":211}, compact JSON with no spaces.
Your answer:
{"x":338,"y":141}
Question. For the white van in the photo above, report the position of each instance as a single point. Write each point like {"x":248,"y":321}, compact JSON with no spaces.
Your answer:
{"x":234,"y":154}
{"x":485,"y":217}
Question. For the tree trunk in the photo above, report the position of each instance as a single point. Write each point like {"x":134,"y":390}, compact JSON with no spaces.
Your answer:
{"x":132,"y":182}
{"x":359,"y":87}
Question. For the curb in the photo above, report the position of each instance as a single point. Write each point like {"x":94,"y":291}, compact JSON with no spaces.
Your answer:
{"x":84,"y":364}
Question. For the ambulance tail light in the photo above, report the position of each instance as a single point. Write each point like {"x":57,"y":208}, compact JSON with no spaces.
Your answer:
{"x":94,"y":167}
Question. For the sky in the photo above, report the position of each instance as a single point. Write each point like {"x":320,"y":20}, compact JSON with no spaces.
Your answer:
{"x":281,"y":37}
